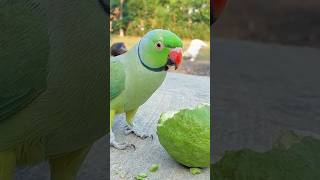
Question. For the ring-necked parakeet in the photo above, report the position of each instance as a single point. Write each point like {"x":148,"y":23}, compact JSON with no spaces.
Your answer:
{"x":53,"y":91}
{"x":138,"y":73}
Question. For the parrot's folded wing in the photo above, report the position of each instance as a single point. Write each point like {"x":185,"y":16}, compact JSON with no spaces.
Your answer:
{"x":24,"y":50}
{"x":117,"y":78}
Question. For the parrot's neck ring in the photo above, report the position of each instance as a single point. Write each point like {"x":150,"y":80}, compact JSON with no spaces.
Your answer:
{"x":146,"y":66}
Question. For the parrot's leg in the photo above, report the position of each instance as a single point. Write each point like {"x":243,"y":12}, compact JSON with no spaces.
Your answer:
{"x":130,"y":116}
{"x":131,"y":128}
{"x":7,"y":165}
{"x":65,"y":166}
{"x":113,"y":142}
{"x":112,"y":114}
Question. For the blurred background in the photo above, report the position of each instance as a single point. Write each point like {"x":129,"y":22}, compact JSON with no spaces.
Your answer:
{"x":287,"y":22}
{"x":266,"y":69}
{"x":189,"y":19}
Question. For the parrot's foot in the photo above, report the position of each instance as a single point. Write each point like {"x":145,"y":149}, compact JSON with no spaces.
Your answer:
{"x":132,"y":129}
{"x":120,"y":146}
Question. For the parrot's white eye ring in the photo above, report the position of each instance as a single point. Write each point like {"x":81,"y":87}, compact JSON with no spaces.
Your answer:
{"x":159,"y":45}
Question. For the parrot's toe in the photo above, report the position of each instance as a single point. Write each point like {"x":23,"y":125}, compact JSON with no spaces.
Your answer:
{"x":120,"y":146}
{"x":132,"y":129}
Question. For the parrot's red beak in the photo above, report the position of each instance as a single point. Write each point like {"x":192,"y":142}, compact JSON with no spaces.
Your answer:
{"x":174,"y":58}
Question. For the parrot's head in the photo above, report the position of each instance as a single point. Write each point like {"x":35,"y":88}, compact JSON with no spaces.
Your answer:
{"x":160,"y":49}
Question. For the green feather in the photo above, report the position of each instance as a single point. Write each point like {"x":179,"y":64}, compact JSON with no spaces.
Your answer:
{"x":117,"y":79}
{"x":24,"y":54}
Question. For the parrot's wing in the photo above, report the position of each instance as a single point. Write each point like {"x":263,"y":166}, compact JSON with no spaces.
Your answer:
{"x":24,"y":49}
{"x":117,"y":78}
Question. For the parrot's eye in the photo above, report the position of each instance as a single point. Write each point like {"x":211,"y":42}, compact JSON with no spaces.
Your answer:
{"x":159,"y":45}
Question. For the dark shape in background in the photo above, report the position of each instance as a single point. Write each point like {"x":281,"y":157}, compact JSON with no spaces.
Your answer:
{"x":289,"y":22}
{"x":117,"y":49}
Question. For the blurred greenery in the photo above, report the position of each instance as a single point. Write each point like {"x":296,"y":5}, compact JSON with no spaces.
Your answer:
{"x":188,"y":18}
{"x":130,"y":41}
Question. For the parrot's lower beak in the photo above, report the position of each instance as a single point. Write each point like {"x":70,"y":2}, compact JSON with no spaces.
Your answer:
{"x":174,"y":58}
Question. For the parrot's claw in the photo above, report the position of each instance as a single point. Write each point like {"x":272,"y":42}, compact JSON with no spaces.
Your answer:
{"x":120,"y":146}
{"x":130,"y":129}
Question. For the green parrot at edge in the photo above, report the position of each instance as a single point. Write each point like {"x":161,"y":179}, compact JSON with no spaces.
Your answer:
{"x":53,"y":90}
{"x":138,"y":73}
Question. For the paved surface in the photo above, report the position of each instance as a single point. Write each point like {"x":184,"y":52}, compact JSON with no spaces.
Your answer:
{"x":261,"y":89}
{"x":178,"y":91}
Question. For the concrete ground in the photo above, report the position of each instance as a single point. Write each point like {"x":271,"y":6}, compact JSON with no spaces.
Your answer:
{"x":178,"y":91}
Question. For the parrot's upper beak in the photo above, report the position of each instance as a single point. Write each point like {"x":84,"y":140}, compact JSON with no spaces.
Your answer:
{"x":174,"y":58}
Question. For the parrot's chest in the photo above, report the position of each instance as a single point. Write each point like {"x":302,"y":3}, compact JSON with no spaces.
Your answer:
{"x":140,"y":86}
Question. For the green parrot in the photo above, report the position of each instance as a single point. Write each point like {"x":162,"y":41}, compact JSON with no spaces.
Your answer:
{"x":53,"y":91}
{"x":136,"y":74}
